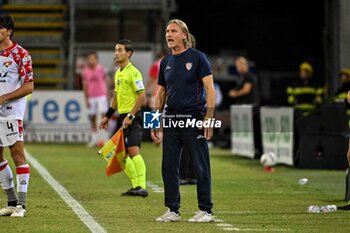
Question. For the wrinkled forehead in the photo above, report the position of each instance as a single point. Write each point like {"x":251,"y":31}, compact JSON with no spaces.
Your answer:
{"x":174,"y":27}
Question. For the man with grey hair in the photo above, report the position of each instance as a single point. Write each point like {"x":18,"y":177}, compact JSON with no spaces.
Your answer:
{"x":184,"y":75}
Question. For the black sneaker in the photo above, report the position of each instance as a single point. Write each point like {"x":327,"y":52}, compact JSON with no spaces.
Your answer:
{"x":346,"y":207}
{"x":138,"y":191}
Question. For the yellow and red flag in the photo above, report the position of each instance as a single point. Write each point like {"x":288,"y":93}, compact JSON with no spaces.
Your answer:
{"x":114,"y":153}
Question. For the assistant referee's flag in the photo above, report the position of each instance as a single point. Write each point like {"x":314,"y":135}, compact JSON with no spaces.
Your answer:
{"x":114,"y":153}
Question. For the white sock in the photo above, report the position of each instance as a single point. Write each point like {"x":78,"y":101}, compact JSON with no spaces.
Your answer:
{"x":6,"y":177}
{"x":94,"y":137}
{"x":22,"y":178}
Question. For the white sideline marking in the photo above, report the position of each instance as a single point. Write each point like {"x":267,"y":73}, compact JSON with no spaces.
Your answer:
{"x":84,"y":216}
{"x":230,"y":227}
{"x":155,"y":187}
{"x":224,"y":225}
{"x":236,"y":212}
{"x":251,"y":229}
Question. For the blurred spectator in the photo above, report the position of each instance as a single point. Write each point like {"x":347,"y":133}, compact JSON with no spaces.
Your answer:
{"x":220,"y":68}
{"x":151,"y":84}
{"x":95,"y":90}
{"x":218,"y":96}
{"x":304,"y":94}
{"x":245,"y":90}
{"x":342,"y":92}
{"x":80,"y":64}
{"x":112,"y":124}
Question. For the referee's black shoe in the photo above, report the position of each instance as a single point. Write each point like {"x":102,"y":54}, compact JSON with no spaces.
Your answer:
{"x":128,"y":193}
{"x":346,"y":207}
{"x":138,"y":191}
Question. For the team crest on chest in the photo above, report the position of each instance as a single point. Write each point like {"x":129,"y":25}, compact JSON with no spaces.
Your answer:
{"x":188,"y":65}
{"x":7,"y":63}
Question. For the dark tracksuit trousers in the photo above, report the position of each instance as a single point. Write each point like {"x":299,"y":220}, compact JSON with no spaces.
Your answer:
{"x":173,"y":140}
{"x":186,"y":166}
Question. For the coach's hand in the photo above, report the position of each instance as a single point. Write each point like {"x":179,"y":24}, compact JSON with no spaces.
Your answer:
{"x":156,"y":135}
{"x":208,"y":130}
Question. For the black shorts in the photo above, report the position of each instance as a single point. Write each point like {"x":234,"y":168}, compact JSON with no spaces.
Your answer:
{"x":132,"y":134}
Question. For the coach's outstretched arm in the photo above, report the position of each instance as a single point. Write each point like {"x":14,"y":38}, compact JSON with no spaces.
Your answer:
{"x":159,"y":105}
{"x":210,"y":98}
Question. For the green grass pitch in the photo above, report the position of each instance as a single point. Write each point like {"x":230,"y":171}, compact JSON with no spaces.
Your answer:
{"x":245,"y":197}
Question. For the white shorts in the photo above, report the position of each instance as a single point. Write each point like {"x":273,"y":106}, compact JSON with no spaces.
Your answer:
{"x":98,"y":105}
{"x":11,"y":131}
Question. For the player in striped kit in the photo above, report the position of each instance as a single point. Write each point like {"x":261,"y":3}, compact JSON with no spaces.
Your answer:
{"x":16,"y":82}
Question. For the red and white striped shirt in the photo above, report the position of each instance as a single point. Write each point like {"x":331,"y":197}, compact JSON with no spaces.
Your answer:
{"x":15,"y":69}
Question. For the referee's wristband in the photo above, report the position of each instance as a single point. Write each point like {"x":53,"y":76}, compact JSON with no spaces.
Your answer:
{"x":110,"y":113}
